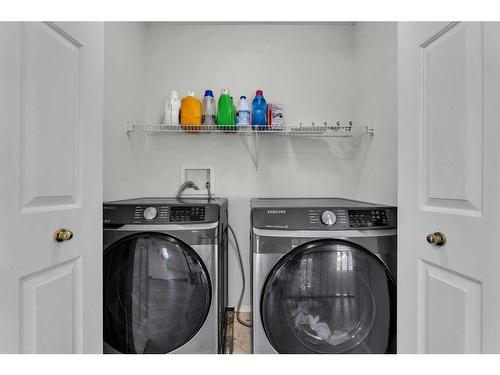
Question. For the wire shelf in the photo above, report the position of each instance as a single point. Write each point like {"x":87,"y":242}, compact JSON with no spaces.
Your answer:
{"x":255,"y":132}
{"x":301,"y":130}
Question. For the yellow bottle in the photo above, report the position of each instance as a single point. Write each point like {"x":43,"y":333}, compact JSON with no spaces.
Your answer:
{"x":190,"y":112}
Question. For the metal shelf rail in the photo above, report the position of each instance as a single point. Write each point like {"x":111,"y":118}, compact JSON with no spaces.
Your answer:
{"x":313,"y":130}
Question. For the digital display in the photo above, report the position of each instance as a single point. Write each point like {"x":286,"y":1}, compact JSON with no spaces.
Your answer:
{"x":187,"y":213}
{"x":367,"y":218}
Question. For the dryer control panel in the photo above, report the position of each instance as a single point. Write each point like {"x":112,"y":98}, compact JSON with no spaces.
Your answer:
{"x":368,"y":218}
{"x":324,"y":218}
{"x":327,"y":217}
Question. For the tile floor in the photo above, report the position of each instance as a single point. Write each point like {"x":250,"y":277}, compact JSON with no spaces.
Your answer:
{"x":238,"y":337}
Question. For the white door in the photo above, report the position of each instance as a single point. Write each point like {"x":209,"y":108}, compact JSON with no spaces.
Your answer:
{"x":449,"y":182}
{"x":51,"y":83}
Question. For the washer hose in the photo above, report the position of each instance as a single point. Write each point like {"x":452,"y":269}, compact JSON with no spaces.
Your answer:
{"x":190,"y":184}
{"x":238,"y":306}
{"x":184,"y":186}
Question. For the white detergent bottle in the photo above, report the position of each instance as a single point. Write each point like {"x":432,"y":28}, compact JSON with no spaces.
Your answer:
{"x":243,"y":112}
{"x":172,"y":108}
{"x":208,"y":111}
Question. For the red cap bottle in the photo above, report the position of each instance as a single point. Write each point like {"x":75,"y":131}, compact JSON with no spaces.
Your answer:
{"x":259,"y":92}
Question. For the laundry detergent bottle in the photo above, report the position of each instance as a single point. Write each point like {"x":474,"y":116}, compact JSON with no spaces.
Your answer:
{"x":172,"y":108}
{"x":259,"y":109}
{"x":225,"y":109}
{"x":190,"y":111}
{"x":234,"y":111}
{"x":208,"y":109}
{"x":243,"y":117}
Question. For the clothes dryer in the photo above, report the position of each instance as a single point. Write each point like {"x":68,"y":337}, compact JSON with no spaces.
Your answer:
{"x":324,"y":274}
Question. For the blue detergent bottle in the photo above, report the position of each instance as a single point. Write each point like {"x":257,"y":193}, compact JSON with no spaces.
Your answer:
{"x":259,"y":107}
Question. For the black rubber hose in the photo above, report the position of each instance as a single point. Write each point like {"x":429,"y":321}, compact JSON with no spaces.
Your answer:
{"x":184,"y":186}
{"x":207,"y":185}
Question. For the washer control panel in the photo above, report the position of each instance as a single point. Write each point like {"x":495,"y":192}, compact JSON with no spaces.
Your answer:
{"x":156,"y":214}
{"x":187,"y":213}
{"x":149,"y":214}
{"x":368,"y":218}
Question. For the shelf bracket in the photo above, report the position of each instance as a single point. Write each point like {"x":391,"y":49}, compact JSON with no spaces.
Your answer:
{"x":129,"y":127}
{"x":371,"y":129}
{"x":256,"y":149}
{"x":252,"y":149}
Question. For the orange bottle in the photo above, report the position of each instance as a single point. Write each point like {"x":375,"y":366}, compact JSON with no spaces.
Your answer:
{"x":190,"y":112}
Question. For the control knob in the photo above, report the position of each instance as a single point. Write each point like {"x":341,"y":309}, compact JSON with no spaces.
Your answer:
{"x":150,"y":213}
{"x":328,"y":218}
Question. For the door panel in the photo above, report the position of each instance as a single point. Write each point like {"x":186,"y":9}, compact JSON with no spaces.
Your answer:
{"x":51,"y":75}
{"x":50,"y":100}
{"x":51,"y":306}
{"x":451,"y":120}
{"x":449,"y":311}
{"x":448,"y":95}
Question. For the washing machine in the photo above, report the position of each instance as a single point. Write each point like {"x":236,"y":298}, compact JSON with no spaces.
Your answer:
{"x":324,"y":274}
{"x":165,"y":275}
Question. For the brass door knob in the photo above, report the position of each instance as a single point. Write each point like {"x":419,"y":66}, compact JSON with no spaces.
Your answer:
{"x":437,"y":238}
{"x":62,"y":234}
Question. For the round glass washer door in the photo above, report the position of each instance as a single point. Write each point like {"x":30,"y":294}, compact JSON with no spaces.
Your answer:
{"x":157,"y":293}
{"x":329,"y":296}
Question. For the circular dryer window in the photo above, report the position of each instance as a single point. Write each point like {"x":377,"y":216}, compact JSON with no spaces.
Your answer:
{"x":329,"y":296}
{"x":157,"y":294}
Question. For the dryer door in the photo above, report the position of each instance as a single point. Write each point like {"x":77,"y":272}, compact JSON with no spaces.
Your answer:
{"x":157,"y":294}
{"x":330,"y":296}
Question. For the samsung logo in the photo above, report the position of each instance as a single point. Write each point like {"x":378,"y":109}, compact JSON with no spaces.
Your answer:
{"x":109,"y":207}
{"x":276,"y":212}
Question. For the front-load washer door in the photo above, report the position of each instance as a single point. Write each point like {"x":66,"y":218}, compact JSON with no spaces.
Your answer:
{"x":157,"y":294}
{"x":329,"y":296}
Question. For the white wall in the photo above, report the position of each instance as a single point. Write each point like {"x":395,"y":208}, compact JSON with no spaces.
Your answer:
{"x":375,"y":56}
{"x":313,"y":70}
{"x":289,"y":62}
{"x":123,"y":101}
